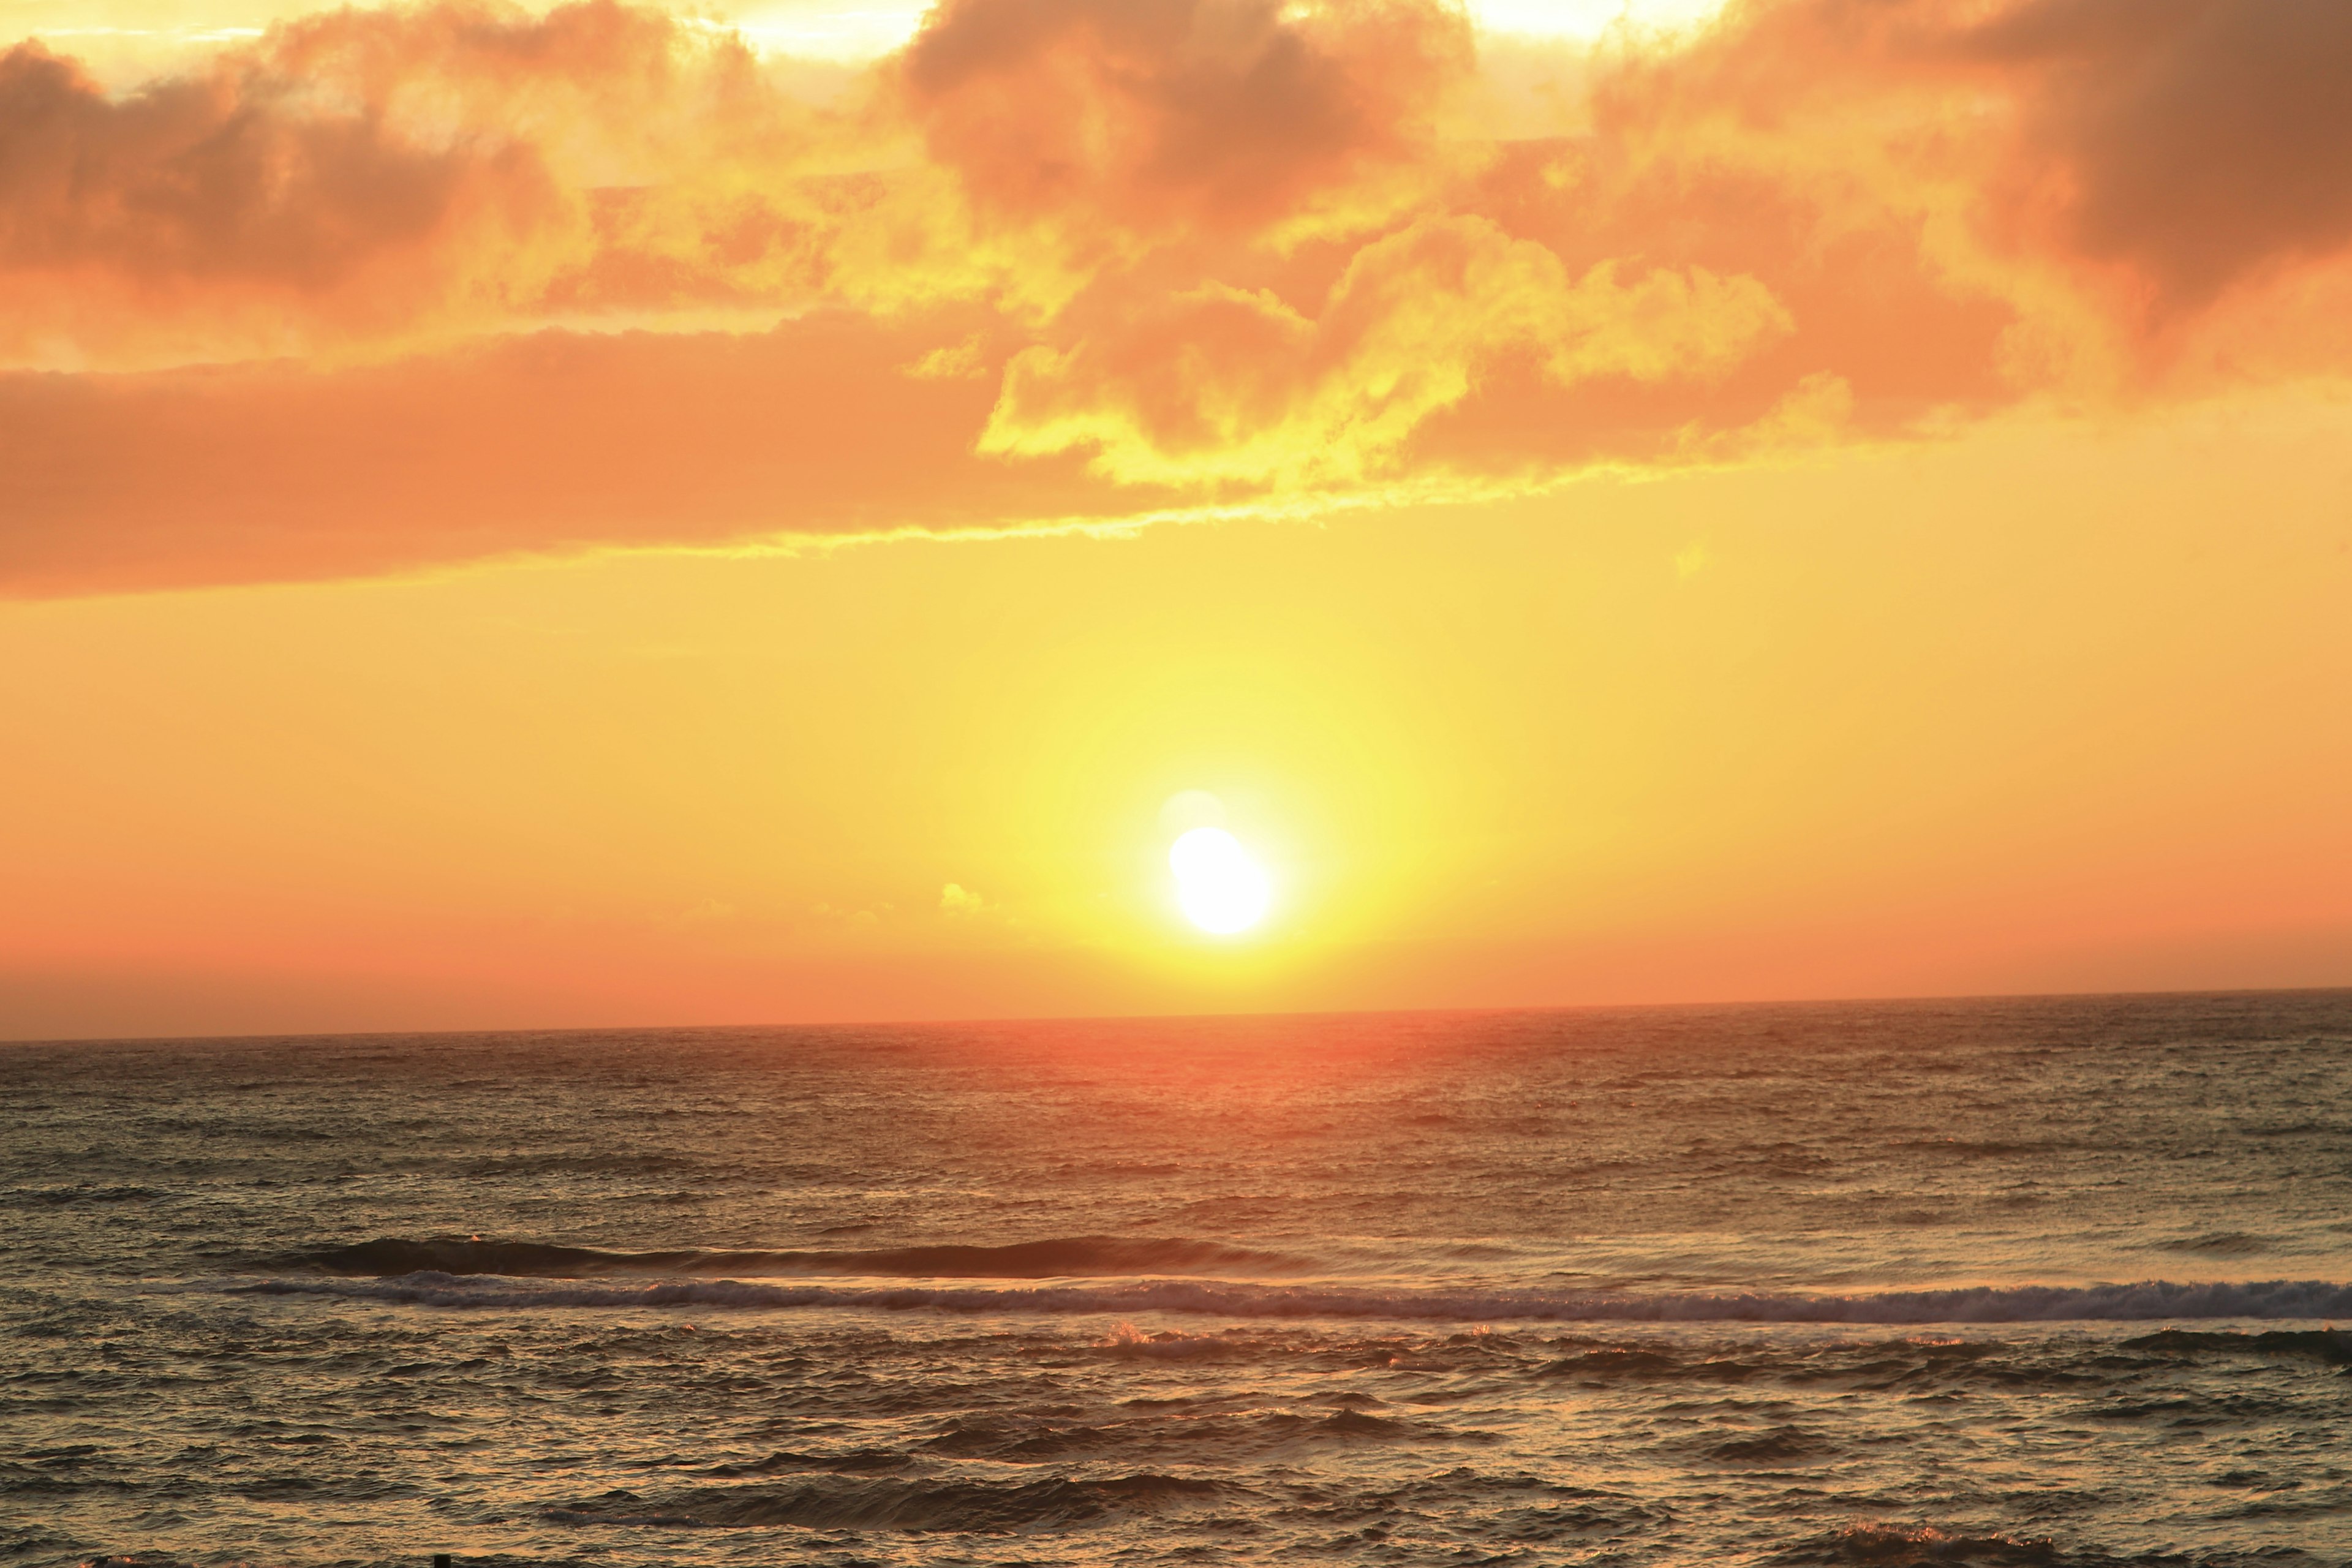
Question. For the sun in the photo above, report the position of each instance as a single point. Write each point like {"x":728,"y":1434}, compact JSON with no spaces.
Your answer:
{"x":1219,"y":887}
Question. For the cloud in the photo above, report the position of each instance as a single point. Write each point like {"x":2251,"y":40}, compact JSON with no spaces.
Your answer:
{"x":410,"y":287}
{"x":362,"y":177}
{"x":1218,"y":385}
{"x":2195,"y":141}
{"x":2146,"y":155}
{"x":544,"y":443}
{"x":1166,"y":115}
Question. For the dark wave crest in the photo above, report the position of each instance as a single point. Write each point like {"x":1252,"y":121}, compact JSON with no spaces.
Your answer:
{"x":2154,"y":1300}
{"x":970,"y":1507}
{"x":1070,"y":1257}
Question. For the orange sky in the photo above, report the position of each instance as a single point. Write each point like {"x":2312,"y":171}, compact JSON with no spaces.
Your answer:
{"x":594,"y":516}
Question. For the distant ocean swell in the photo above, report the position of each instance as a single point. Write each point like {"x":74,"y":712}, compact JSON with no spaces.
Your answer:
{"x":1053,"y":1259}
{"x":957,"y":1505}
{"x":2144,"y":1301}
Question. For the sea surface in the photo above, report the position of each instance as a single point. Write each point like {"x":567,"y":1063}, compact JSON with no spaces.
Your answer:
{"x":1992,"y":1282}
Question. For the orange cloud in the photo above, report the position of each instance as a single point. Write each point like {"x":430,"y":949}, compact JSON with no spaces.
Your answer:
{"x":1219,"y":384}
{"x":1178,"y":116}
{"x":2134,"y":162}
{"x":2197,"y":142}
{"x":357,"y":177}
{"x":1098,"y":258}
{"x":526,"y":445}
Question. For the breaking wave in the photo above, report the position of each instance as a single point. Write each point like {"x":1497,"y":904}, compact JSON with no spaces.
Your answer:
{"x":2146,"y":1301}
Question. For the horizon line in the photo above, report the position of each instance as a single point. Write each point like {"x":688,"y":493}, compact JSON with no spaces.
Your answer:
{"x":1919,"y":999}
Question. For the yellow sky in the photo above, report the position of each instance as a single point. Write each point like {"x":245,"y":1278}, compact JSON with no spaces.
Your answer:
{"x":1567,"y":614}
{"x":2046,"y":706}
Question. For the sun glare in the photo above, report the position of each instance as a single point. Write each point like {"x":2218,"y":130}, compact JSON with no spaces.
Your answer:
{"x":1219,"y":887}
{"x":1589,"y":19}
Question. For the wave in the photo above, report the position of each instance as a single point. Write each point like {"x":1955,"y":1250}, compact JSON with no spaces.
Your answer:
{"x":2327,"y":1345}
{"x":975,"y":1507}
{"x":2148,"y":1301}
{"x":29,"y":1197}
{"x":1068,"y":1257}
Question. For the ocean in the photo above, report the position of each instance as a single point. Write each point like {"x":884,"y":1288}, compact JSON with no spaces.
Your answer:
{"x":2041,"y":1281}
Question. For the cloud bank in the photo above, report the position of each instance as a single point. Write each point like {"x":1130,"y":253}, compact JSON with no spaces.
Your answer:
{"x":402,"y":288}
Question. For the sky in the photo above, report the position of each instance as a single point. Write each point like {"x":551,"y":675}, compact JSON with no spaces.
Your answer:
{"x":602,"y":515}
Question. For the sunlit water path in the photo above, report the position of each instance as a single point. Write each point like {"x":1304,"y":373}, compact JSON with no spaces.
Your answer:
{"x":1996,"y":1282}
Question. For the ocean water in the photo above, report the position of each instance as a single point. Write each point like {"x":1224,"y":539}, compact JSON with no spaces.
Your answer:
{"x":2001,"y":1282}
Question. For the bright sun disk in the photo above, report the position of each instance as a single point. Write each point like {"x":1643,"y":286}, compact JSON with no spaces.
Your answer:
{"x":1220,"y":888}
